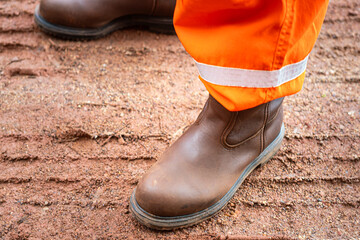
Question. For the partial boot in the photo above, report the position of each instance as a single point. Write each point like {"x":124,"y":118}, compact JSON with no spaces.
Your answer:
{"x":86,"y":19}
{"x":202,"y":170}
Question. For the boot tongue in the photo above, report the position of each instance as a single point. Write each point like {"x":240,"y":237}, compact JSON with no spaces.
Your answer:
{"x":246,"y":124}
{"x":216,"y":111}
{"x":249,"y":122}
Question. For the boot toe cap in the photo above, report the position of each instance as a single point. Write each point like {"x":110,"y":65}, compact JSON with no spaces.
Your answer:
{"x":64,"y":13}
{"x":53,"y":11}
{"x":169,"y":199}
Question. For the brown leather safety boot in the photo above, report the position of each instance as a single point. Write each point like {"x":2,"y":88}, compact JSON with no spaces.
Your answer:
{"x":202,"y":170}
{"x":79,"y":19}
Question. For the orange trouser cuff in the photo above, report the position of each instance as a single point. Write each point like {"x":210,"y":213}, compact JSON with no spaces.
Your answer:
{"x":249,"y":52}
{"x":241,"y":98}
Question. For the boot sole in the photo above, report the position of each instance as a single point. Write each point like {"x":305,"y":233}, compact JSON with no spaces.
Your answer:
{"x":154,"y":24}
{"x":169,"y":223}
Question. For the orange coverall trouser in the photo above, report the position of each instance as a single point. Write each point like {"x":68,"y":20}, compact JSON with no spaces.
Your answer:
{"x":249,"y":52}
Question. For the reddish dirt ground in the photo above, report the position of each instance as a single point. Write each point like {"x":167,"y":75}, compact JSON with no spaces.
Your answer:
{"x":80,"y":123}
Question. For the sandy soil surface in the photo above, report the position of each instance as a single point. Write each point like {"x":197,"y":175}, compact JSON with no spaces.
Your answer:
{"x":81,"y":122}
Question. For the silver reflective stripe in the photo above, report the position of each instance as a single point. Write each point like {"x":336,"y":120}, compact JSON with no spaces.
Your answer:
{"x":251,"y":78}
